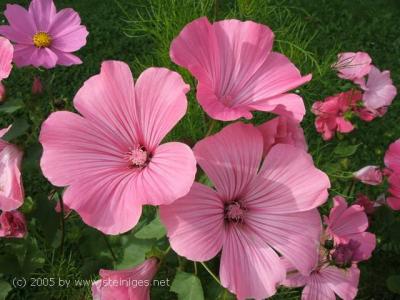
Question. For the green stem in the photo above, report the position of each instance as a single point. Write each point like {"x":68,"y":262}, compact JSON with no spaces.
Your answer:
{"x":62,"y":225}
{"x":211,"y":127}
{"x":195,"y":268}
{"x":211,"y":273}
{"x":110,"y":248}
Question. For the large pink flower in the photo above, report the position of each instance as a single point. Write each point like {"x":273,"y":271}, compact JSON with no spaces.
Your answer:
{"x":11,"y":188}
{"x":110,"y":157}
{"x":253,"y":213}
{"x":131,"y":284}
{"x":44,"y":37}
{"x":6,"y":56}
{"x":12,"y":224}
{"x":236,"y":69}
{"x":353,"y":66}
{"x":347,"y":226}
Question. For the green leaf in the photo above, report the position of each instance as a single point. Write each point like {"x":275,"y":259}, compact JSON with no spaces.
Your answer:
{"x":343,"y":150}
{"x":134,"y":251}
{"x":154,"y":230}
{"x":47,"y":217}
{"x":187,"y":286}
{"x":18,"y":128}
{"x":5,"y":288}
{"x":393,"y":283}
{"x":11,"y":106}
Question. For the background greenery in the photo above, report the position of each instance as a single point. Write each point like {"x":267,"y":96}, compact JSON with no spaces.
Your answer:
{"x":139,"y":32}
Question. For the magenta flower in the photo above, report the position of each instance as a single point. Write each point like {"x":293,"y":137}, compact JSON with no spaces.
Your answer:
{"x":371,"y":175}
{"x":110,"y":157}
{"x":6,"y":56}
{"x":392,"y":157}
{"x":252,"y":214}
{"x":392,"y":162}
{"x":353,"y":66}
{"x":236,"y":69}
{"x":346,"y":224}
{"x":11,"y":188}
{"x":42,"y":36}
{"x":12,"y":224}
{"x":132,"y":284}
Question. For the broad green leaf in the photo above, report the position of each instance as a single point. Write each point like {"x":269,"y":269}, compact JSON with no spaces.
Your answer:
{"x":154,"y":230}
{"x":134,"y":251}
{"x":11,"y":106}
{"x":18,"y":128}
{"x":393,"y":283}
{"x":5,"y":288}
{"x":343,"y":150}
{"x":187,"y":286}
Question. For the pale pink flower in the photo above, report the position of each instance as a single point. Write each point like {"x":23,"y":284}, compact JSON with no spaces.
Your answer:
{"x":325,"y":281}
{"x":332,"y":113}
{"x":353,"y":65}
{"x":392,"y":157}
{"x":345,"y":224}
{"x":253,"y":213}
{"x":236,"y":69}
{"x":394,"y":189}
{"x":12,"y":224}
{"x":110,"y":156}
{"x":37,"y":87}
{"x":42,"y":36}
{"x":379,"y":90}
{"x":282,"y":130}
{"x":11,"y":188}
{"x":6,"y":56}
{"x":371,"y":175}
{"x":131,"y":284}
{"x":392,"y":162}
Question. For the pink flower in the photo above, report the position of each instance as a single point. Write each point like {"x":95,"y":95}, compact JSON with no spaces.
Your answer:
{"x":252,"y":214}
{"x":282,"y":130}
{"x":392,"y":157}
{"x":236,"y":69}
{"x":332,"y":113}
{"x":371,"y":175}
{"x":345,"y":224}
{"x":325,"y":281}
{"x":110,"y":156}
{"x":6,"y":56}
{"x":368,"y":205}
{"x":37,"y":87}
{"x":12,"y":224}
{"x":11,"y":188}
{"x":394,"y":189}
{"x":392,"y":162}
{"x":353,"y":66}
{"x":369,"y":115}
{"x":44,"y":37}
{"x":379,"y":90}
{"x":131,"y":284}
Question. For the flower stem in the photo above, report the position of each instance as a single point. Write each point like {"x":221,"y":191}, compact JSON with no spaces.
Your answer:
{"x":211,"y":127}
{"x":195,"y":268}
{"x":109,"y":248}
{"x":211,"y":273}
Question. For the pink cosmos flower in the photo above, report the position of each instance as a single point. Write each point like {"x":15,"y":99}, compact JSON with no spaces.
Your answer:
{"x":332,"y":113}
{"x":371,"y":175}
{"x":325,"y":281}
{"x":353,"y":65}
{"x":12,"y":224}
{"x":42,"y":36}
{"x":236,"y":69}
{"x":11,"y":188}
{"x":346,"y":224}
{"x":379,"y":90}
{"x":110,"y":156}
{"x":131,"y":284}
{"x":6,"y":56}
{"x":253,"y":213}
{"x":282,"y":130}
{"x":37,"y":87}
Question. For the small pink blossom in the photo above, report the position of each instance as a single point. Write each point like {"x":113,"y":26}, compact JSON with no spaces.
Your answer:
{"x":353,"y":65}
{"x":110,"y":155}
{"x":12,"y":224}
{"x":253,"y":213}
{"x":37,"y":87}
{"x":131,"y":284}
{"x":237,"y":71}
{"x":6,"y":56}
{"x":44,"y":37}
{"x":346,"y":224}
{"x":11,"y":188}
{"x":371,"y":175}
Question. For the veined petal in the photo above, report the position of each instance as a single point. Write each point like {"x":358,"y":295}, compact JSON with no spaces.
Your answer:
{"x":6,"y":55}
{"x":20,"y":19}
{"x":43,"y":13}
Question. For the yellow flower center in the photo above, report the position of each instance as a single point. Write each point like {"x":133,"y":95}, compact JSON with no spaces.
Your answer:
{"x":42,"y":39}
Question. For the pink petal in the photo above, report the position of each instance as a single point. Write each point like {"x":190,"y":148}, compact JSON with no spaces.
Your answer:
{"x":343,"y":282}
{"x":343,"y":125}
{"x":249,"y":268}
{"x":288,"y":182}
{"x":41,"y":57}
{"x":352,"y":65}
{"x":65,"y":21}
{"x":195,"y":223}
{"x":104,"y":201}
{"x":66,"y":59}
{"x":11,"y":188}
{"x":20,"y":20}
{"x":295,"y":236}
{"x":71,"y":41}
{"x":317,"y":290}
{"x":231,"y":158}
{"x":160,"y":103}
{"x":23,"y":54}
{"x":6,"y":55}
{"x":15,"y":36}
{"x":168,"y":176}
{"x":367,"y":242}
{"x":371,"y":175}
{"x":392,"y":156}
{"x":43,"y":13}
{"x":394,"y":203}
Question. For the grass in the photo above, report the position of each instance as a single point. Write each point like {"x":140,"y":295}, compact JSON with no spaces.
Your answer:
{"x":311,"y":33}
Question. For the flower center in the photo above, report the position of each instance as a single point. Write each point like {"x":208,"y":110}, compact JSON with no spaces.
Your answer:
{"x":343,"y":254}
{"x":42,"y":39}
{"x":234,"y":212}
{"x":138,"y":157}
